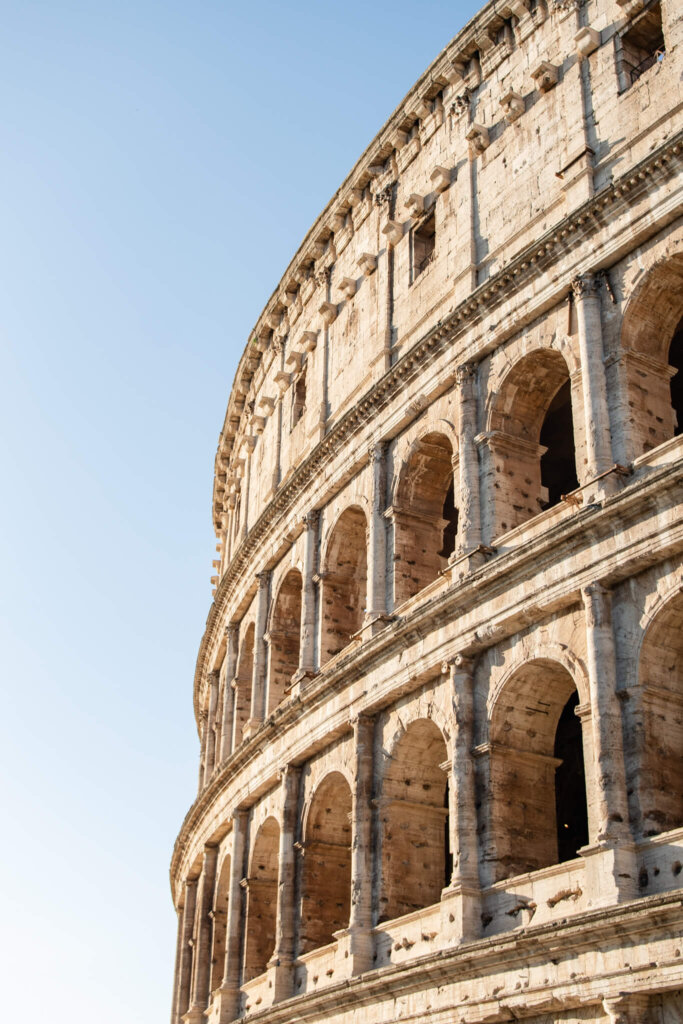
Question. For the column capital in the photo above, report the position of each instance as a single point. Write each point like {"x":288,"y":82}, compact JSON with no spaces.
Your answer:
{"x":460,"y":664}
{"x":288,"y":771}
{"x":596,"y":598}
{"x":231,"y":630}
{"x":585,"y":285}
{"x":263,"y":578}
{"x":311,"y":519}
{"x":378,"y":450}
{"x":465,"y":372}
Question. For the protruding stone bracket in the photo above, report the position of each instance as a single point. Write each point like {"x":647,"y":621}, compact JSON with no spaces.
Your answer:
{"x":347,"y":286}
{"x":519,"y":7}
{"x":267,"y":404}
{"x":415,"y":204}
{"x":440,"y":178}
{"x":478,"y":138}
{"x":400,"y":139}
{"x":294,"y":360}
{"x":283,"y":380}
{"x":393,"y":231}
{"x":367,"y":263}
{"x":545,"y":76}
{"x":309,"y":339}
{"x":631,"y":7}
{"x":328,"y":311}
{"x":586,"y":40}
{"x":513,"y":106}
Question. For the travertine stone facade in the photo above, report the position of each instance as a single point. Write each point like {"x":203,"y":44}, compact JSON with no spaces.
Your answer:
{"x":440,"y":691}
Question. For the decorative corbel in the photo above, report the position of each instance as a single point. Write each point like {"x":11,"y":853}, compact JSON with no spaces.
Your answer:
{"x":513,"y":106}
{"x":631,"y":7}
{"x":367,"y":263}
{"x":586,"y":40}
{"x":519,"y":7}
{"x":545,"y":76}
{"x":273,"y":319}
{"x":415,"y":204}
{"x":328,"y":311}
{"x":478,"y":138}
{"x":282,"y":380}
{"x":394,"y":232}
{"x":440,"y":178}
{"x":309,"y":339}
{"x":484,"y":41}
{"x":354,"y":196}
{"x":399,"y":139}
{"x":267,"y":404}
{"x":294,"y":359}
{"x":347,"y":286}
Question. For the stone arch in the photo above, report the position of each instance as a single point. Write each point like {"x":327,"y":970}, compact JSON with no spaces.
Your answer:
{"x":284,"y":637}
{"x":531,"y":452}
{"x":537,"y":803}
{"x":659,"y":734}
{"x":425,"y":514}
{"x":326,"y":869}
{"x":243,"y":681}
{"x":415,"y":859}
{"x":344,"y":590}
{"x":220,"y":924}
{"x":261,"y":912}
{"x":652,"y":349}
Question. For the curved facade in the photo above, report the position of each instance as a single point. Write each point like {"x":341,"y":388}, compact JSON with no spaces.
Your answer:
{"x":440,"y":690}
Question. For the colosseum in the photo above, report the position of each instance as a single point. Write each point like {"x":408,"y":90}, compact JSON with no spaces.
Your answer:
{"x":440,"y":691}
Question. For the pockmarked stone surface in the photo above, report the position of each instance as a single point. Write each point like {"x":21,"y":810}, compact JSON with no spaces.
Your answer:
{"x":440,"y":692}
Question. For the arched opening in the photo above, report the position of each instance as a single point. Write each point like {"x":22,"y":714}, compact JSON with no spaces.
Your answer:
{"x":220,"y":924}
{"x":537,"y":791}
{"x":532,"y":460}
{"x":658,"y":739}
{"x":262,"y":900}
{"x":425,"y":516}
{"x":245,"y":670}
{"x":344,"y":582}
{"x":675,"y":360}
{"x":416,"y":858}
{"x":326,"y":877}
{"x":652,"y":344}
{"x":284,"y":638}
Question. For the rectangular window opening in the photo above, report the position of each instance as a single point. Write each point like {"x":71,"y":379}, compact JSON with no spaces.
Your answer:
{"x":640,"y":46}
{"x":299,"y":398}
{"x":424,"y":245}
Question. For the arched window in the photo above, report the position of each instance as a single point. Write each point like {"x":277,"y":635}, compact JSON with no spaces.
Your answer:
{"x":245,"y":669}
{"x":657,"y":741}
{"x":326,"y":875}
{"x":532,"y":460}
{"x":220,"y":923}
{"x":284,"y":638}
{"x":416,"y":860}
{"x":537,"y":794}
{"x":262,"y":900}
{"x":344,"y":582}
{"x":652,"y":353}
{"x":425,"y":516}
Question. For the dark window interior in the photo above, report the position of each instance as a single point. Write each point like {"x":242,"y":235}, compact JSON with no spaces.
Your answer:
{"x":299,"y":400}
{"x":450,"y":514}
{"x":558,"y":465}
{"x":642,"y":45}
{"x":570,"y":784}
{"x":676,"y":361}
{"x":424,"y":245}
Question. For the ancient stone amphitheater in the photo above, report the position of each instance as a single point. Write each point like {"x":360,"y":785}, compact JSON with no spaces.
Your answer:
{"x":440,"y":691}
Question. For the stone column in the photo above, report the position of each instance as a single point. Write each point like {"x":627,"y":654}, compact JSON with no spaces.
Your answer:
{"x":377,"y":538}
{"x":231,"y":634}
{"x":307,"y":638}
{"x":184,"y":963}
{"x":201,"y":971}
{"x":361,"y":943}
{"x":467,"y":484}
{"x":598,"y":444}
{"x":282,"y":961}
{"x":461,"y":900}
{"x":258,"y":679}
{"x":203,"y":740}
{"x":615,"y":876}
{"x":249,"y":444}
{"x":229,"y":994}
{"x":627,"y":1008}
{"x":210,"y":743}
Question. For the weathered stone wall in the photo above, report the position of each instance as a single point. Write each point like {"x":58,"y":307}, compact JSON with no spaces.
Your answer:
{"x":440,"y":691}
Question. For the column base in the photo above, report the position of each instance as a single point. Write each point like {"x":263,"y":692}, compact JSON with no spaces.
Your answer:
{"x":460,"y":914}
{"x":195,"y":1015}
{"x":611,"y":873}
{"x":356,"y":948}
{"x":299,"y":681}
{"x":225,"y":1006}
{"x":466,"y":562}
{"x":281,"y":978}
{"x":374,"y":624}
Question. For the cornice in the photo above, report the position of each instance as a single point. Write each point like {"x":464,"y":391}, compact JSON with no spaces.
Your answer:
{"x":501,"y":574}
{"x":534,"y":259}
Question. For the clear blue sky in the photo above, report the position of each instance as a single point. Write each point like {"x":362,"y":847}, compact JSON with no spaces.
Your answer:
{"x":160,"y":164}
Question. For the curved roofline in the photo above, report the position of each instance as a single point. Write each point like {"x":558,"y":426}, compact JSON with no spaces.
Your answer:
{"x":442,"y":71}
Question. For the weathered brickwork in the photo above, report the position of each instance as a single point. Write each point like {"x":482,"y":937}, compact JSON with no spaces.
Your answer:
{"x":440,"y":691}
